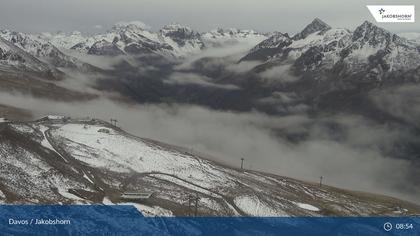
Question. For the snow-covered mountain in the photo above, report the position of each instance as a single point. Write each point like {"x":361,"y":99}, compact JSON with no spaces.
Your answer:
{"x":173,"y":41}
{"x":283,"y":47}
{"x":317,"y":48}
{"x":62,"y":160}
{"x":30,"y":66}
{"x":220,"y":37}
{"x":63,"y":39}
{"x":379,"y":51}
{"x":183,"y":40}
{"x":134,"y":38}
{"x":369,"y":52}
{"x":16,"y":60}
{"x":43,"y":50}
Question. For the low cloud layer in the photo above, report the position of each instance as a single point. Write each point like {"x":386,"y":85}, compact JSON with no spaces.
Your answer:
{"x":349,"y":160}
{"x":402,"y":102}
{"x":228,"y":53}
{"x":278,"y":74}
{"x":195,"y":79}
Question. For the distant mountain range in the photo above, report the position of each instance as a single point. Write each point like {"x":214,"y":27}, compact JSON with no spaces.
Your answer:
{"x":318,"y":47}
{"x":46,"y":53}
{"x":131,"y":38}
{"x":314,"y":63}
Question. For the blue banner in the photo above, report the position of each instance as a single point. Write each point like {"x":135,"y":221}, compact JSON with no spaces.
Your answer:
{"x":126,"y":220}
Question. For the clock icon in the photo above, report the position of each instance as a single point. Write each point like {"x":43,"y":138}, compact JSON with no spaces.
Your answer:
{"x":387,"y":226}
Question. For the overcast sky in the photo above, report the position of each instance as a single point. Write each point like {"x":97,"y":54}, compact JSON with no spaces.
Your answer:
{"x":262,"y":15}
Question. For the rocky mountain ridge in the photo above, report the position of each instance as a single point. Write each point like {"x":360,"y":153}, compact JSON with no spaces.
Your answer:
{"x":369,"y":53}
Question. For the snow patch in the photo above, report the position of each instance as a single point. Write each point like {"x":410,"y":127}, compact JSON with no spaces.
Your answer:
{"x":107,"y":201}
{"x":307,"y":206}
{"x":251,"y":205}
{"x":87,"y":178}
{"x":55,"y":117}
{"x":64,"y":192}
{"x":149,"y":211}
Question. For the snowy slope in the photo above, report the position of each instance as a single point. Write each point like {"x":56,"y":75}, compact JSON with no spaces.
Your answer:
{"x":63,"y":40}
{"x":13,"y":58}
{"x":60,"y":160}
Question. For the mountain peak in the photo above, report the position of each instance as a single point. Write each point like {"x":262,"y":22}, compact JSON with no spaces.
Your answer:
{"x":181,"y":34}
{"x":318,"y":21}
{"x":369,"y":32}
{"x":367,"y":24}
{"x":178,"y":30}
{"x":316,"y":25}
{"x":370,"y":26}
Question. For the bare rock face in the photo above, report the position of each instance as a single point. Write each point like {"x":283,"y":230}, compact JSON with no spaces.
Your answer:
{"x":182,"y":35}
{"x":105,"y":48}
